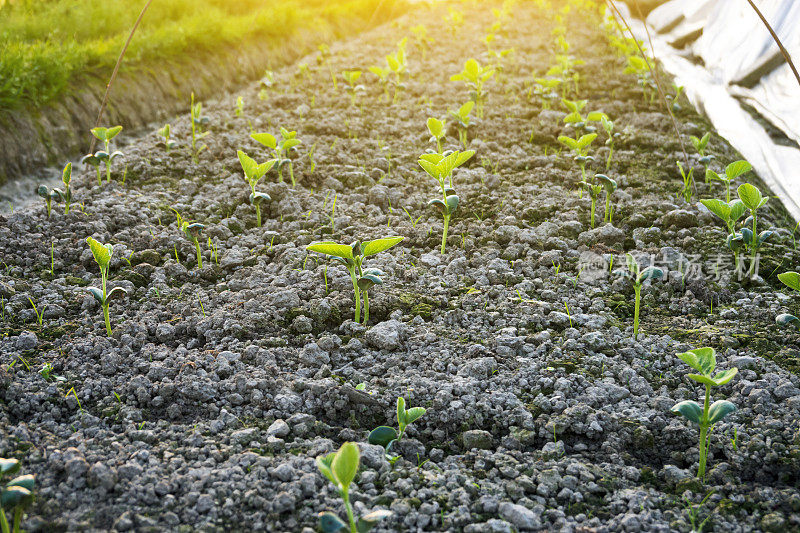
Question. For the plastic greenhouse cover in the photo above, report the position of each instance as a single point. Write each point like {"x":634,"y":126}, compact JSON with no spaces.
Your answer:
{"x":727,"y":57}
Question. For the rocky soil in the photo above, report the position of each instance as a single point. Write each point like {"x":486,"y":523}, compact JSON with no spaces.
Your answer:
{"x":219,"y":387}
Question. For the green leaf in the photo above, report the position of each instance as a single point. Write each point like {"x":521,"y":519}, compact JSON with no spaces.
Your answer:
{"x":573,"y":117}
{"x":256,"y":198}
{"x":344,"y":251}
{"x":324,"y":466}
{"x":790,"y":279}
{"x":97,"y":294}
{"x":633,"y":266}
{"x":345,"y":464}
{"x":711,"y":175}
{"x":101,"y":252}
{"x":14,"y":496}
{"x":366,"y":281}
{"x":330,"y":523}
{"x":66,"y":174}
{"x":785,"y":319}
{"x":288,"y":144}
{"x":379,"y":245}
{"x":26,"y":482}
{"x":440,"y":205}
{"x":650,"y":272}
{"x":719,"y":410}
{"x":586,"y":140}
{"x":569,"y":142}
{"x":750,"y":196}
{"x":737,"y":209}
{"x":466,"y":109}
{"x":463,"y":157}
{"x":370,"y":520}
{"x":267,"y":139}
{"x":436,"y":127}
{"x":382,"y":436}
{"x":690,"y":410}
{"x":737,"y":168}
{"x":724,"y":377}
{"x":431,"y":168}
{"x":452,"y":203}
{"x":249,"y":164}
{"x":596,"y":116}
{"x":401,"y":410}
{"x":414,"y":413}
{"x":718,"y":207}
{"x":101,"y":133}
{"x":9,"y":466}
{"x":701,"y":359}
{"x":705,"y":380}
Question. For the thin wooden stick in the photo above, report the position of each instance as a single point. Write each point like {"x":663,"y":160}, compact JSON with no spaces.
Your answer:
{"x":114,"y":74}
{"x":655,"y":77}
{"x":785,"y":53}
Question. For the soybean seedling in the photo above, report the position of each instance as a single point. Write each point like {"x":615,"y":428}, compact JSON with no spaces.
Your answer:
{"x":752,"y":199}
{"x":340,"y":468}
{"x":253,"y":172}
{"x":609,"y":186}
{"x":164,"y":132}
{"x":638,"y":277}
{"x":65,"y":194}
{"x":579,"y":147}
{"x":594,"y":190}
{"x":15,"y":495}
{"x":578,"y":121}
{"x":732,"y":171}
{"x":463,"y":121}
{"x":351,"y":77}
{"x":398,"y":65}
{"x":441,"y":169}
{"x":545,"y":89}
{"x":688,"y":183}
{"x":423,"y":40}
{"x":454,"y":19}
{"x":436,"y":129}
{"x":192,"y":230}
{"x":386,"y":436}
{"x":791,"y":280}
{"x":383,"y":77}
{"x":325,"y":57}
{"x":102,"y":255}
{"x":475,"y":76}
{"x":608,"y":126}
{"x":352,"y":257}
{"x":282,"y":149}
{"x":48,"y":195}
{"x":700,"y":144}
{"x":199,"y":123}
{"x":729,"y":213}
{"x":638,"y":66}
{"x":239,"y":106}
{"x":704,"y":361}
{"x":106,"y":155}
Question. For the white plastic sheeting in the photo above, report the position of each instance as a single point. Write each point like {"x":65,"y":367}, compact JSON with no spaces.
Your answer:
{"x":722,"y":54}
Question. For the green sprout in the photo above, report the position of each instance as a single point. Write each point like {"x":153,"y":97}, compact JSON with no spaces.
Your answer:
{"x":638,"y":277}
{"x":441,"y":168}
{"x":351,"y":77}
{"x":463,"y":121}
{"x":732,"y":171}
{"x":608,"y":126}
{"x":352,"y":257}
{"x":239,"y":106}
{"x":729,"y":213}
{"x":687,"y":190}
{"x":704,"y":361}
{"x":383,"y":77}
{"x":578,"y":121}
{"x":199,"y":123}
{"x":48,"y":195}
{"x":398,"y":65}
{"x":545,"y":89}
{"x":423,"y":40}
{"x":475,"y":76}
{"x":64,"y":194}
{"x":700,"y":144}
{"x":565,"y":68}
{"x":386,"y":436}
{"x":106,"y":155}
{"x":752,"y":199}
{"x":609,"y":186}
{"x":600,"y":183}
{"x":340,"y":468}
{"x":283,"y":148}
{"x":15,"y":496}
{"x":638,"y":66}
{"x":102,"y":255}
{"x":579,"y":147}
{"x":253,"y":172}
{"x":164,"y":132}
{"x":192,"y":230}
{"x":454,"y":19}
{"x":325,"y":57}
{"x":304,"y":70}
{"x":437,"y":131}
{"x":791,"y":280}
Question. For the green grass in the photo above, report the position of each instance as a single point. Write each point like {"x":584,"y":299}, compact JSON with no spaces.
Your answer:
{"x":45,"y":45}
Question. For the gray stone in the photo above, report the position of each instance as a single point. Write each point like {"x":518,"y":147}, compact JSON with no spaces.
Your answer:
{"x":522,"y":517}
{"x":477,"y":438}
{"x":279,"y":428}
{"x":27,"y":340}
{"x":385,"y":335}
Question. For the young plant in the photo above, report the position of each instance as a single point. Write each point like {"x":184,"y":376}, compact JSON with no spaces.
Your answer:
{"x":578,"y":121}
{"x":352,"y":257}
{"x":441,"y":168}
{"x":565,"y":69}
{"x":610,"y":186}
{"x":463,"y":121}
{"x":94,"y":160}
{"x":253,"y":172}
{"x":66,"y":193}
{"x":638,"y":66}
{"x":704,"y":361}
{"x":383,"y":77}
{"x":580,"y":147}
{"x":199,"y":123}
{"x":340,"y":468}
{"x":545,"y":89}
{"x":791,"y":280}
{"x":729,"y":213}
{"x":732,"y":171}
{"x":192,"y":230}
{"x":437,"y":131}
{"x":351,"y":77}
{"x":266,"y":83}
{"x":106,"y":155}
{"x":102,"y":255}
{"x":164,"y":132}
{"x":325,"y":57}
{"x":608,"y":126}
{"x":454,"y":19}
{"x":283,"y":149}
{"x":688,"y":183}
{"x":15,"y":495}
{"x":638,"y":277}
{"x":239,"y":106}
{"x":752,"y":199}
{"x":700,"y":144}
{"x":386,"y":436}
{"x":48,"y":195}
{"x":594,"y":190}
{"x":475,"y":76}
{"x":398,"y":65}
{"x":423,"y":41}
